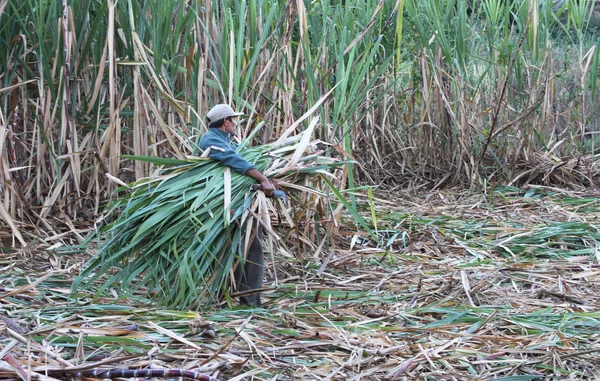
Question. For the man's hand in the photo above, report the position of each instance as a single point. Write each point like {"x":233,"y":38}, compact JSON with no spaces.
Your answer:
{"x":267,"y":187}
{"x":276,"y":184}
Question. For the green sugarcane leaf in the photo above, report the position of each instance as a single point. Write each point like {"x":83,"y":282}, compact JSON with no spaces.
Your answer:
{"x":351,"y":210}
{"x":164,"y":161}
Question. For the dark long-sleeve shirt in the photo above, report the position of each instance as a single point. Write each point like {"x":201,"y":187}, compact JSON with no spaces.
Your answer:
{"x":224,"y":150}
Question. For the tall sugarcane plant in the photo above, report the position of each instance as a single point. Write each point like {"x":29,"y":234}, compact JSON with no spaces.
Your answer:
{"x":433,"y":91}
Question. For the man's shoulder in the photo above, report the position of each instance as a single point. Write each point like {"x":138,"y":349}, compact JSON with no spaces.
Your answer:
{"x":209,"y":138}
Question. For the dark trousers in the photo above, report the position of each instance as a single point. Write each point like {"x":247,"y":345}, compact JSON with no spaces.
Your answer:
{"x":249,"y":272}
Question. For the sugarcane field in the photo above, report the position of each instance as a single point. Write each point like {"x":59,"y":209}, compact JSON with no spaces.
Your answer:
{"x":299,"y":190}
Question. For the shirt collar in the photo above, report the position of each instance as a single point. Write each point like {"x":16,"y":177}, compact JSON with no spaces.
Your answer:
{"x":222,"y":134}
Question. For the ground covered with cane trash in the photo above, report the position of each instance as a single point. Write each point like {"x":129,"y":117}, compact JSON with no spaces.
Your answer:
{"x":453,"y":285}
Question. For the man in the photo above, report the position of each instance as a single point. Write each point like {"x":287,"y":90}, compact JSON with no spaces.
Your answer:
{"x":222,"y":123}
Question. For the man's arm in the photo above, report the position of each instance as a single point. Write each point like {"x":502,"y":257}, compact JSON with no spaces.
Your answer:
{"x":233,"y":160}
{"x":227,"y":156}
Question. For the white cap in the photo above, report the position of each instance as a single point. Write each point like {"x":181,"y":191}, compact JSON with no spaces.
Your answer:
{"x":221,"y":111}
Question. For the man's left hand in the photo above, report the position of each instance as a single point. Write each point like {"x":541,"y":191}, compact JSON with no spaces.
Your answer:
{"x":275,"y":184}
{"x":267,"y":187}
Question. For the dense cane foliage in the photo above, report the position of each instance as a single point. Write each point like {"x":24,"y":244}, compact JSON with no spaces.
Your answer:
{"x":422,"y":92}
{"x":171,"y":236}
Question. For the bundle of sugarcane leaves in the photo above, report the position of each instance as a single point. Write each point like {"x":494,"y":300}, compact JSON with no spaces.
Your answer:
{"x":178,"y":235}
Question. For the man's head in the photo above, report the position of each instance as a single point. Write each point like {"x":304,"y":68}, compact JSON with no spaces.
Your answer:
{"x":222,"y":116}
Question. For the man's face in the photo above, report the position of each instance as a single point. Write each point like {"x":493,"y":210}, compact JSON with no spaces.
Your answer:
{"x":229,"y":124}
